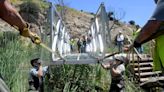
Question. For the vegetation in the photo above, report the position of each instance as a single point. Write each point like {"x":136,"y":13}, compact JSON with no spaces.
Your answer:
{"x":14,"y":61}
{"x":65,"y":8}
{"x":16,"y":52}
{"x":14,"y":66}
{"x":33,"y":11}
{"x":79,"y":78}
{"x":132,"y":22}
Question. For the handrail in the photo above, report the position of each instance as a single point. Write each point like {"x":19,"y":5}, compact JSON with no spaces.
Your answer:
{"x":151,"y":47}
{"x":99,"y":28}
{"x":59,"y":35}
{"x":139,"y":58}
{"x":138,"y":54}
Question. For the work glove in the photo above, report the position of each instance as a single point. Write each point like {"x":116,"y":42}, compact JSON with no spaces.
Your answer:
{"x":33,"y":36}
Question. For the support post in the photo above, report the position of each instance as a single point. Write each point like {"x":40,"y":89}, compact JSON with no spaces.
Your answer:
{"x":51,"y":25}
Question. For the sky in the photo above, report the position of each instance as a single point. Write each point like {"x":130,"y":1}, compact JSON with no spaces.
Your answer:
{"x":138,"y":10}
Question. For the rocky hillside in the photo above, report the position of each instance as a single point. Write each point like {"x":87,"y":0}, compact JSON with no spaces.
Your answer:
{"x":5,"y":27}
{"x":77,"y":22}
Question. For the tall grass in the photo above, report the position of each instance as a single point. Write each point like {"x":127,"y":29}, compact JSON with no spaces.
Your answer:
{"x":14,"y":67}
{"x":79,"y":78}
{"x":84,"y":78}
{"x":14,"y":60}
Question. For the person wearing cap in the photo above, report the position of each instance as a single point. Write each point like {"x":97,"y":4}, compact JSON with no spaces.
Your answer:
{"x":117,"y":69}
{"x":119,"y":41}
{"x":37,"y":74}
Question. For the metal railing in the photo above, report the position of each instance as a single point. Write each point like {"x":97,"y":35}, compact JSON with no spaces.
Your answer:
{"x":99,"y":32}
{"x":59,"y":36}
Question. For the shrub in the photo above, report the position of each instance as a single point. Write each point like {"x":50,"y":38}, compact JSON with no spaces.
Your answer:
{"x":132,"y":22}
{"x":30,"y":7}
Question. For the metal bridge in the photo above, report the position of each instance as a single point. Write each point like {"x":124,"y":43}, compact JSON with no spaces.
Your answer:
{"x":60,"y":39}
{"x":141,"y":68}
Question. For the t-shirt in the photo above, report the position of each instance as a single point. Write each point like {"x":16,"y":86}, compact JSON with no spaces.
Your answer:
{"x":34,"y":71}
{"x":159,"y":11}
{"x":120,"y":37}
{"x":120,"y":68}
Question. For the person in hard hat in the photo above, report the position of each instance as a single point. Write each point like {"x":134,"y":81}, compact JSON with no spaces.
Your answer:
{"x":154,"y":29}
{"x":9,"y":14}
{"x":120,"y":41}
{"x":36,"y":75}
{"x":117,"y":69}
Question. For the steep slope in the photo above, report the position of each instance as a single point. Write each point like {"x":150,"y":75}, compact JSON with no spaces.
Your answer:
{"x":77,"y":22}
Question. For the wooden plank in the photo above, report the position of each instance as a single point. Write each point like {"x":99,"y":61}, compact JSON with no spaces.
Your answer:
{"x":142,"y":64}
{"x":150,"y":78}
{"x":153,"y":82}
{"x":143,"y":68}
{"x":148,"y":73}
{"x":143,"y":60}
{"x":142,"y":55}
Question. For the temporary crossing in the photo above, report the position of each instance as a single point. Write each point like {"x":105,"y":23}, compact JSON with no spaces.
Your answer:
{"x":60,"y":39}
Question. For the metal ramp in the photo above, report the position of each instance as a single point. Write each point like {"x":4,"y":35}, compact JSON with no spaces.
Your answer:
{"x":80,"y":58}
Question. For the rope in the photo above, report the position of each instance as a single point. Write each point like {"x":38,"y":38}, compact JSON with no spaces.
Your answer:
{"x":50,"y":50}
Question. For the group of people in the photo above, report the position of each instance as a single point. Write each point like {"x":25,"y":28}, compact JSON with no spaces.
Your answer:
{"x":81,"y":44}
{"x":153,"y":29}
